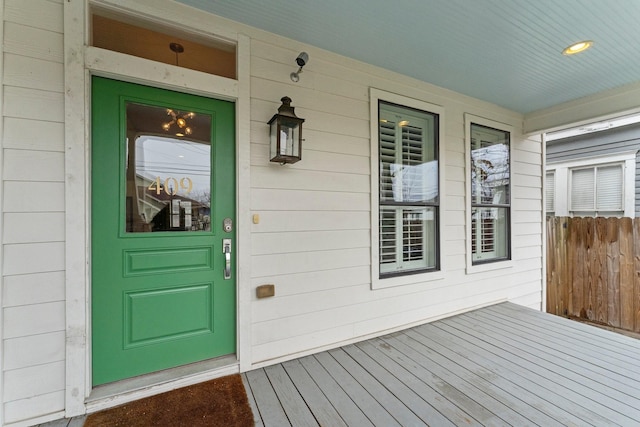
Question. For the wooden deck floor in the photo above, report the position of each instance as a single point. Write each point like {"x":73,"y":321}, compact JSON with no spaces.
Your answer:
{"x":501,"y":365}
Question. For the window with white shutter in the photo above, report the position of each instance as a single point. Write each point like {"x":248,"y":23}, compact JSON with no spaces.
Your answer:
{"x":609,"y":188}
{"x":597,"y":190}
{"x":490,"y":194}
{"x":583,"y":189}
{"x":408,"y":190}
{"x":550,"y":193}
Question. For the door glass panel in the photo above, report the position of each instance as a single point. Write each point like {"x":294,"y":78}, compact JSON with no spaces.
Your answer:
{"x":168,"y":170}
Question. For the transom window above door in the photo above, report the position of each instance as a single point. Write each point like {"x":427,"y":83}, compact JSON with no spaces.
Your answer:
{"x":168,"y":45}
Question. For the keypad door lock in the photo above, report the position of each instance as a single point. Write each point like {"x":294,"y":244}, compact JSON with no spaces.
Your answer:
{"x":227,"y":225}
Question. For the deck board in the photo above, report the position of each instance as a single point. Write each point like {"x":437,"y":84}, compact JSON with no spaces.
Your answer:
{"x":574,"y":386}
{"x":531,"y":374}
{"x":420,"y":385}
{"x":413,"y":401}
{"x":356,"y":392}
{"x":548,"y":397}
{"x":252,"y":401}
{"x":292,"y":402}
{"x":503,"y":414}
{"x":584,"y":378}
{"x":505,"y":386}
{"x":270,"y":411}
{"x":391,"y":403}
{"x":319,"y":404}
{"x":347,"y":408}
{"x":578,"y":362}
{"x":616,"y":347}
{"x":600,"y":357}
{"x":462,"y":400}
{"x":499,"y":366}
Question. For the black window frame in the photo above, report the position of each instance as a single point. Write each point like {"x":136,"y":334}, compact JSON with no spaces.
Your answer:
{"x":507,"y":205}
{"x":435,"y":204}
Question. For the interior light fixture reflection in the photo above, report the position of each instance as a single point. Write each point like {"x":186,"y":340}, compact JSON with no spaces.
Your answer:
{"x":577,"y":47}
{"x":180,"y":120}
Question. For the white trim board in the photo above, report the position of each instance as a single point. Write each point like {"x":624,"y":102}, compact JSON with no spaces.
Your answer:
{"x":612,"y":103}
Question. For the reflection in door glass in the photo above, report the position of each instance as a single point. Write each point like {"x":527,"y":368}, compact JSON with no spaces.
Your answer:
{"x":168,"y":170}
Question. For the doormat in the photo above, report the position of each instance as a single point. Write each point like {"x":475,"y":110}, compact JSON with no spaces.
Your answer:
{"x":217,"y":403}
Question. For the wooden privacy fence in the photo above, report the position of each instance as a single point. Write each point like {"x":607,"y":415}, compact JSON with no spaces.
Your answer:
{"x":593,"y":270}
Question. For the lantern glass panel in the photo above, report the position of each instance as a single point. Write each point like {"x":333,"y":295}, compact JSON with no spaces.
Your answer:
{"x":289,"y":138}
{"x":274,"y":138}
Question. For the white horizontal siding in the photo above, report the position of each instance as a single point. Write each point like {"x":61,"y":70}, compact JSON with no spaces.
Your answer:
{"x":527,"y":181}
{"x":527,"y":192}
{"x":307,"y":241}
{"x":44,"y":15}
{"x":22,"y":71}
{"x":29,"y":258}
{"x":28,"y":165}
{"x":33,"y":173}
{"x":33,"y":42}
{"x":292,"y":221}
{"x":21,"y":196}
{"x":523,"y":168}
{"x":297,"y":200}
{"x":527,"y":252}
{"x":33,"y":227}
{"x":34,"y":407}
{"x":28,"y":134}
{"x":33,"y":104}
{"x":522,"y":241}
{"x":344,"y":180}
{"x":37,"y":288}
{"x":309,"y":282}
{"x":296,"y":305}
{"x":34,"y":367}
{"x":19,"y":382}
{"x":34,"y":319}
{"x":305,"y":262}
{"x":33,"y":350}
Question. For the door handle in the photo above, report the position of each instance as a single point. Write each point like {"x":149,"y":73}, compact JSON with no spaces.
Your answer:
{"x":226,"y":249}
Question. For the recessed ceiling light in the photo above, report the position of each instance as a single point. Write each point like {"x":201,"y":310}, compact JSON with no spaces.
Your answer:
{"x":577,"y":47}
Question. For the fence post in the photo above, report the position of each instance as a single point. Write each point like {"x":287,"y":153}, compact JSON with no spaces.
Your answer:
{"x":627,"y":270}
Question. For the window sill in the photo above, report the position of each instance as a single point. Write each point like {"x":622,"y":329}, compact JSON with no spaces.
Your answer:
{"x":410,"y":279}
{"x":490,"y":266}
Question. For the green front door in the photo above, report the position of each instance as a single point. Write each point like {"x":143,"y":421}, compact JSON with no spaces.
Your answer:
{"x":162,"y":229}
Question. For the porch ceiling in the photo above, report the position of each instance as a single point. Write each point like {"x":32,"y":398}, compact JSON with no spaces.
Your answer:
{"x":507,"y":52}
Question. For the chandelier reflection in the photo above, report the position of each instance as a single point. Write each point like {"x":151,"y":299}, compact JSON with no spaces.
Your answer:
{"x":180,"y":121}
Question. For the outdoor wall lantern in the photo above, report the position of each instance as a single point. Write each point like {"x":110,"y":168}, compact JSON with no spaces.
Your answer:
{"x":286,"y":134}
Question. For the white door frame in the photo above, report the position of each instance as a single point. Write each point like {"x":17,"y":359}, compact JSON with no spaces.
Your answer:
{"x":81,"y":61}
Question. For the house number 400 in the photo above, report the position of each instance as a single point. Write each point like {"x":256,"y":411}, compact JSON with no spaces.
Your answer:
{"x":171,"y":185}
